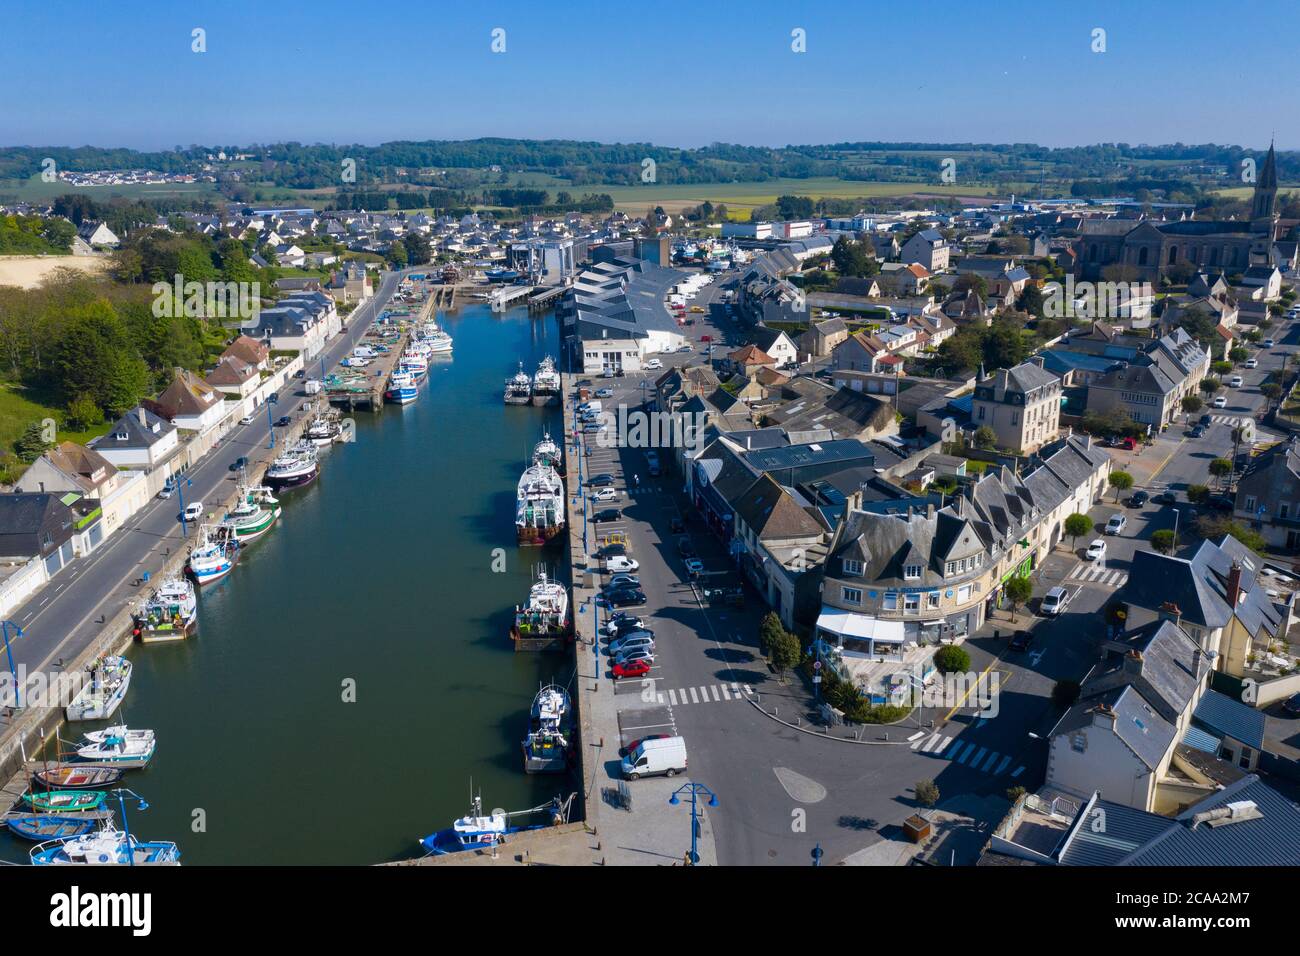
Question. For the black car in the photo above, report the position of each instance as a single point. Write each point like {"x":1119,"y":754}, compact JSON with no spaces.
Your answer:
{"x":1197,"y":432}
{"x":676,"y":526}
{"x":283,"y":421}
{"x":612,"y":551}
{"x":625,"y":598}
{"x":239,"y":463}
{"x":600,"y":481}
{"x":684,"y":547}
{"x":1207,"y":420}
{"x":1166,"y":498}
{"x":1022,"y":640}
{"x":1139,"y":499}
{"x":607,"y":514}
{"x":625,"y":627}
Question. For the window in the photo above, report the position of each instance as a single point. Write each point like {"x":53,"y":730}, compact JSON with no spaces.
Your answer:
{"x":891,"y":601}
{"x":932,"y":600}
{"x":911,"y":603}
{"x":852,"y":569}
{"x":1079,"y":742}
{"x":1250,"y":503}
{"x":912,"y":572}
{"x":963,"y":593}
{"x":1283,"y":509}
{"x":1015,"y":418}
{"x":852,"y":595}
{"x":951,"y":568}
{"x":981,"y":414}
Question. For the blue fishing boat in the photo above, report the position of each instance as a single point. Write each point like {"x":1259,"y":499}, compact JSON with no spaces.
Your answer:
{"x":479,"y":832}
{"x":49,"y":826}
{"x":107,"y":847}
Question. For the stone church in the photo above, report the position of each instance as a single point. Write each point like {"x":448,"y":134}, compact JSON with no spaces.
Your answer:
{"x":1151,"y":247}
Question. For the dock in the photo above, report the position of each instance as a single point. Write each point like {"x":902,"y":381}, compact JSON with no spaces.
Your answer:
{"x":545,"y":299}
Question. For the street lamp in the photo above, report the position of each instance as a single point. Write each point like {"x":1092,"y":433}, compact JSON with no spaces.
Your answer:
{"x":696,"y":790}
{"x":126,"y":829}
{"x":272,"y":399}
{"x":4,"y":627}
{"x":181,"y":484}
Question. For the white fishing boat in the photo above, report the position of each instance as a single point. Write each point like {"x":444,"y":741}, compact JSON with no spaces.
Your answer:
{"x":214,"y":553}
{"x":100,"y":698}
{"x":548,"y":747}
{"x":546,"y":383}
{"x":539,"y":509}
{"x":129,"y":753}
{"x":296,"y":467}
{"x":106,"y":847}
{"x":402,"y":388}
{"x":324,"y":429}
{"x":170,"y":613}
{"x":119,"y":730}
{"x":519,"y":388}
{"x":546,"y":615}
{"x":439,"y":343}
{"x":547,"y":452}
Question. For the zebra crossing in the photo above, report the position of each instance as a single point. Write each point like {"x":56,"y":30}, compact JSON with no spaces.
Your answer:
{"x":966,"y":754}
{"x":1098,"y":574}
{"x":704,"y":694}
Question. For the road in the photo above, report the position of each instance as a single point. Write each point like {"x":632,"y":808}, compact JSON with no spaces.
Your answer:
{"x":59,"y":620}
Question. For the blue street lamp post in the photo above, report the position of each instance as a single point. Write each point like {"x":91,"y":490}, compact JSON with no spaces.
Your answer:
{"x":4,"y":627}
{"x":126,"y":828}
{"x":181,"y":483}
{"x":271,"y":399}
{"x":696,"y":790}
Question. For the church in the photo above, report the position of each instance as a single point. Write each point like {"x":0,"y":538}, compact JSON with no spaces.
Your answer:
{"x":1149,"y":248}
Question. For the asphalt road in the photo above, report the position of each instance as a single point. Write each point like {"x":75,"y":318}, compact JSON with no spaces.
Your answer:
{"x":59,"y":620}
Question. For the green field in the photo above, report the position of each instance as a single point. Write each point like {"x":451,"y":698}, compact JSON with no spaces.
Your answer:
{"x":1245,"y":192}
{"x":34,"y":190}
{"x":19,"y":407}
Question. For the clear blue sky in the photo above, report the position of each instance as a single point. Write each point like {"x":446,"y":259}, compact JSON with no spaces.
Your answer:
{"x":672,"y":73}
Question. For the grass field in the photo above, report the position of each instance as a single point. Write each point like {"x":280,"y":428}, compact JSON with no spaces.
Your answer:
{"x":34,"y":190}
{"x":19,"y":407}
{"x":1245,"y":192}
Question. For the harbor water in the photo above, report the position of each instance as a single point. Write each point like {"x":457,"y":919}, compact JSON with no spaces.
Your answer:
{"x":354,"y":673}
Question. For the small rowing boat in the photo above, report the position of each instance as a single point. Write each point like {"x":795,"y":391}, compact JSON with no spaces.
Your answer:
{"x":48,"y":826}
{"x":64,"y":801}
{"x":77,"y":778}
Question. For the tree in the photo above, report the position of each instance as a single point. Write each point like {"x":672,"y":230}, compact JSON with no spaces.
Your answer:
{"x":396,"y":255}
{"x":1018,"y":591}
{"x":1221,"y":368}
{"x":951,"y":659}
{"x":418,"y":250}
{"x":1075,"y":525}
{"x":1163,"y":540}
{"x":84,"y":412}
{"x":927,"y":793}
{"x":1238,"y":354}
{"x":1065,"y":693}
{"x":1192,"y":404}
{"x":31,"y":444}
{"x":1221,"y":468}
{"x":1209,"y":385}
{"x":769,"y":629}
{"x":1197,"y":493}
{"x":1216,"y":526}
{"x":969,"y":281}
{"x":784,"y":651}
{"x":1121,"y":481}
{"x":985,"y":437}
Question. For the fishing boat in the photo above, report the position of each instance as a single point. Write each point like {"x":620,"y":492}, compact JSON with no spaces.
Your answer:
{"x":99,"y":699}
{"x":119,"y":750}
{"x":519,"y":388}
{"x":402,"y":389}
{"x":106,"y":847}
{"x":548,"y":747}
{"x":479,"y":832}
{"x":170,"y":613}
{"x":296,"y":467}
{"x":64,"y":801}
{"x":546,"y":383}
{"x":76,"y":778}
{"x":258,"y":509}
{"x":539,"y":509}
{"x":546,"y":615}
{"x":214,"y":553}
{"x":439,"y":343}
{"x":49,"y":826}
{"x":501,"y":275}
{"x":547,"y":452}
{"x":323,"y":430}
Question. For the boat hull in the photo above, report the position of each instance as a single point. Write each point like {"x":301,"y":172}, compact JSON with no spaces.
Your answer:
{"x":292,"y":481}
{"x":49,"y":826}
{"x":536,"y":537}
{"x":211,"y":574}
{"x":77,"y":778}
{"x":251,"y":532}
{"x":518,"y":399}
{"x":546,"y":399}
{"x":89,"y":706}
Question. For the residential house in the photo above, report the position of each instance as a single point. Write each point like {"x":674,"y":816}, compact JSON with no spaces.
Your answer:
{"x":928,"y":248}
{"x":1268,"y":495}
{"x":189,"y":403}
{"x":140,"y":439}
{"x":1022,"y":405}
{"x":775,"y":343}
{"x":96,"y":234}
{"x":822,"y":337}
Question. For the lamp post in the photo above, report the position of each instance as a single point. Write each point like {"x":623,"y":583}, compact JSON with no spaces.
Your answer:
{"x":696,"y":790}
{"x":271,"y":399}
{"x":126,"y":829}
{"x":181,"y":484}
{"x":4,"y":627}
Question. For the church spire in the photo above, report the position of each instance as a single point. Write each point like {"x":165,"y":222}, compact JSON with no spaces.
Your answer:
{"x":1265,"y":200}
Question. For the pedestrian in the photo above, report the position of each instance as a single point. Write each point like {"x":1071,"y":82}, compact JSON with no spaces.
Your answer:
{"x":636,"y":481}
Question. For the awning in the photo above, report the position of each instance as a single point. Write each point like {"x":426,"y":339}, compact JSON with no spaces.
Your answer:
{"x":860,"y":627}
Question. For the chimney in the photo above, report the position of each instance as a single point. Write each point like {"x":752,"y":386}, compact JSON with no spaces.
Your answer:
{"x":1196,"y":660}
{"x":1169,"y":611}
{"x":140,"y":413}
{"x":929,"y":510}
{"x":1234,"y":585}
{"x":1133,"y":662}
{"x":1104,"y":716}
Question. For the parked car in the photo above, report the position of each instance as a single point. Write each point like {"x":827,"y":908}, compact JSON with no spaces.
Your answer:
{"x":1128,"y":443}
{"x":239,"y":463}
{"x":1166,"y":498}
{"x":246,"y":420}
{"x":1220,"y":402}
{"x":685,"y":548}
{"x":1207,"y":420}
{"x":1096,"y":551}
{"x":630,"y":669}
{"x":694,"y":567}
{"x":1139,"y":499}
{"x":646,"y":654}
{"x":654,"y":757}
{"x":622,"y":580}
{"x":283,"y":421}
{"x":1021,"y":640}
{"x":606,"y":514}
{"x":166,"y":491}
{"x":1268,"y":343}
{"x":604,"y":393}
{"x":612,"y":550}
{"x":686,"y":348}
{"x":193,"y":511}
{"x":1055,"y":600}
{"x":653,"y":365}
{"x":608,"y":373}
{"x":1236,"y":381}
{"x":1220,"y":502}
{"x":626,"y":598}
{"x":1116,"y":524}
{"x":599,"y":481}
{"x":604,"y":494}
{"x":634,"y":645}
{"x":620,"y":563}
{"x":676,"y":525}
{"x":618,"y":626}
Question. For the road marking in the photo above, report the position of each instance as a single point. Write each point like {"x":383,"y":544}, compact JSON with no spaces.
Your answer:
{"x":1019,"y":771}
{"x":969,"y":691}
{"x":714,"y":688}
{"x":974,"y":761}
{"x":1003,"y":765}
{"x":952,"y":751}
{"x":694,"y":699}
{"x":672,"y":698}
{"x":970,"y":748}
{"x":726,"y":694}
{"x":988,"y":763}
{"x":1155,"y":474}
{"x":919,"y":733}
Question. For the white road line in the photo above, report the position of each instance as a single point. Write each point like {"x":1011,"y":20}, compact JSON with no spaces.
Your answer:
{"x":1003,"y":765}
{"x":988,"y":763}
{"x":694,"y":699}
{"x":714,"y":688}
{"x":659,"y":698}
{"x":726,"y":693}
{"x":1019,"y":771}
{"x":974,"y":761}
{"x":933,"y":745}
{"x":919,"y":733}
{"x":646,"y":726}
{"x":749,"y":691}
{"x":970,"y":748}
{"x":672,"y":698}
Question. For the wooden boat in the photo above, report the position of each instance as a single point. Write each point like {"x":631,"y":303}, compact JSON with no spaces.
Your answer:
{"x":64,"y":801}
{"x":77,"y":778}
{"x":49,"y":826}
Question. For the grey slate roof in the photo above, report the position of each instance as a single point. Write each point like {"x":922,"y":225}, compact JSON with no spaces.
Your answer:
{"x":136,"y":434}
{"x":1158,"y":578}
{"x":1226,"y":717}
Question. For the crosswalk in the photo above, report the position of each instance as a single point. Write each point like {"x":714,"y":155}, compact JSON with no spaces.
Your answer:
{"x":705,"y":694}
{"x":970,"y":755}
{"x":1098,"y":574}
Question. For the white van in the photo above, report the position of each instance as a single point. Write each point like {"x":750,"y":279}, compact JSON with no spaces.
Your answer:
{"x":590,"y":408}
{"x":666,"y":756}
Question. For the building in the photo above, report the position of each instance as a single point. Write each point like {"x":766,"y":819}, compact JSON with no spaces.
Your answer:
{"x":1268,"y":495}
{"x":928,"y":248}
{"x":1022,"y":405}
{"x":615,"y":315}
{"x":189,"y":403}
{"x":1143,"y":392}
{"x":95,"y":233}
{"x":140,"y":439}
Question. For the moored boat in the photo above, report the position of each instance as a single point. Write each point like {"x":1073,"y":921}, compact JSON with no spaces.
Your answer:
{"x":100,"y":697}
{"x":50,"y":826}
{"x":119,"y":750}
{"x":402,"y":388}
{"x":258,"y":509}
{"x":519,"y":388}
{"x":546,"y":615}
{"x":106,"y":847}
{"x":324,"y":429}
{"x":64,"y":801}
{"x":76,"y":778}
{"x":539,"y":509}
{"x":546,"y":383}
{"x":170,"y":613}
{"x":214,"y":554}
{"x":296,"y":467}
{"x":547,"y":452}
{"x":548,"y":747}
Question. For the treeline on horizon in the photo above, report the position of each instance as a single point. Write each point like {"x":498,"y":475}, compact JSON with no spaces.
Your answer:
{"x":316,"y":166}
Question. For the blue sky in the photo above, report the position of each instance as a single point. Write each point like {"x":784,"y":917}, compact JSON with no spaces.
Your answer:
{"x":685,"y":74}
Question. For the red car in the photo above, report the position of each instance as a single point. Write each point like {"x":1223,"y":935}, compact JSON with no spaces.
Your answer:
{"x":637,"y":743}
{"x":631,"y":669}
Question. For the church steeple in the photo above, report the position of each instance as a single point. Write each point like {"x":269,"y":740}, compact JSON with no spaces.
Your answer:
{"x":1265,"y":201}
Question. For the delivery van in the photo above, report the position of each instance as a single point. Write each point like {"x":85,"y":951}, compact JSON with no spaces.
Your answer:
{"x":665,"y":756}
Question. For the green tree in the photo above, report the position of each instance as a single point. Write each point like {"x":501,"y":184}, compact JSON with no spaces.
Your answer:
{"x":1238,"y":354}
{"x":1197,"y":493}
{"x":1018,"y":591}
{"x":1221,"y":468}
{"x":927,"y":793}
{"x":396,"y":255}
{"x":1065,"y":693}
{"x":985,"y":437}
{"x":1221,"y":368}
{"x":1209,"y":385}
{"x":1192,"y":404}
{"x":1075,"y":525}
{"x":31,"y":444}
{"x":94,"y":356}
{"x":1121,"y":481}
{"x":84,"y":412}
{"x":769,"y":630}
{"x":1163,"y":540}
{"x":784,"y":652}
{"x":951,"y":659}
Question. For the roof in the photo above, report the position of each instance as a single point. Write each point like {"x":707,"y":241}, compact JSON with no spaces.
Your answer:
{"x":85,"y":464}
{"x":138,"y":428}
{"x":22,"y":514}
{"x":772,"y":513}
{"x":1230,"y":718}
{"x":1155,"y":579}
{"x":186,"y":395}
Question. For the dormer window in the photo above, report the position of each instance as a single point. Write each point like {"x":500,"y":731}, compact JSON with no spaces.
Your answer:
{"x":852,"y":569}
{"x":912,"y":572}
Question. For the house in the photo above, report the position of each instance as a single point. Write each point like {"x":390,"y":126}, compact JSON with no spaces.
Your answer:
{"x":1022,"y":405}
{"x":139,"y":439}
{"x":95,"y":234}
{"x":822,"y":337}
{"x":750,"y":359}
{"x":928,"y":248}
{"x":776,"y":344}
{"x":250,"y":351}
{"x":914,"y":279}
{"x":39,"y":526}
{"x":836,"y":413}
{"x":235,"y":377}
{"x":70,"y":467}
{"x":1268,"y":495}
{"x":1143,"y":392}
{"x":1264,"y":281}
{"x":189,"y":403}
